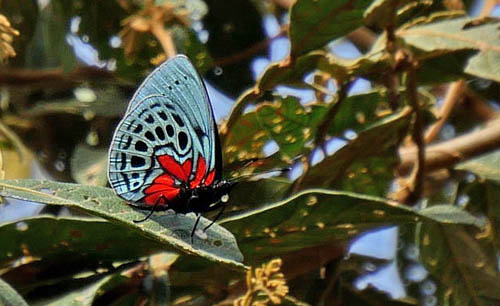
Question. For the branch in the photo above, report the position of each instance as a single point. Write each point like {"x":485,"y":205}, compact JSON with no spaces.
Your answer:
{"x":22,"y":77}
{"x":488,"y":7}
{"x":157,"y":28}
{"x":453,"y":95}
{"x":248,"y":52}
{"x":448,"y":153}
{"x":417,"y":179}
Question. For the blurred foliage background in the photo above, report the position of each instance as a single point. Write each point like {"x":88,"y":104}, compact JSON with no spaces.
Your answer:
{"x":386,"y":111}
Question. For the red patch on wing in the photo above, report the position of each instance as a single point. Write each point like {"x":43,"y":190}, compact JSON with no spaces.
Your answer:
{"x":210,"y":178}
{"x":164,"y":190}
{"x":168,"y":163}
{"x":201,"y":169}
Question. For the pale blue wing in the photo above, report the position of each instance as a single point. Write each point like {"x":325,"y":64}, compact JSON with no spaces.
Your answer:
{"x":169,"y":114}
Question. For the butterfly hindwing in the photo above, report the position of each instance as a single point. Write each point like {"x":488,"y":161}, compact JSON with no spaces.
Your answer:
{"x":167,"y":135}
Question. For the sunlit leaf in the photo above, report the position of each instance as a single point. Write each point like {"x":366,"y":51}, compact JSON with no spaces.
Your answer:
{"x":460,"y":34}
{"x":173,"y":230}
{"x":374,"y":141}
{"x":317,"y":216}
{"x":486,"y":166}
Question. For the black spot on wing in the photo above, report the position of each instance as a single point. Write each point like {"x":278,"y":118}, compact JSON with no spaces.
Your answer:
{"x":150,"y":136}
{"x":141,"y":146}
{"x":163,"y":116}
{"x":182,"y":139}
{"x":159,"y":133}
{"x":137,"y":161}
{"x":138,"y":129}
{"x":178,"y":119}
{"x":170,"y":130}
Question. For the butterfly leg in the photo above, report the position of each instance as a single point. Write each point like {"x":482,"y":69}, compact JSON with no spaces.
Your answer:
{"x":151,"y":211}
{"x":223,"y":205}
{"x":194,"y":227}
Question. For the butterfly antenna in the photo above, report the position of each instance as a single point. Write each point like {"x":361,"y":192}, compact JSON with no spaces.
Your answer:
{"x":253,"y":175}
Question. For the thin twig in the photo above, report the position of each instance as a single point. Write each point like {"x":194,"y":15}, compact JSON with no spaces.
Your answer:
{"x":453,"y":95}
{"x":297,"y":185}
{"x":250,"y":51}
{"x":18,"y":144}
{"x":330,"y":115}
{"x":22,"y":77}
{"x":488,"y":7}
{"x":446,"y":154}
{"x":417,"y":178}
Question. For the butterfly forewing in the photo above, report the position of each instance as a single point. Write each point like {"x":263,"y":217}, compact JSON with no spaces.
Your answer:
{"x":168,"y":132}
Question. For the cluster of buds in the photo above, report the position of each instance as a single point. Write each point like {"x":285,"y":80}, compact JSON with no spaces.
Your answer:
{"x":6,"y":36}
{"x":264,"y":286}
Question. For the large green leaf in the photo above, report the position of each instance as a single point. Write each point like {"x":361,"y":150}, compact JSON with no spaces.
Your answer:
{"x":440,"y":37}
{"x":370,"y":66}
{"x":58,"y":238}
{"x":486,"y":166}
{"x":285,"y":121}
{"x":293,"y":126}
{"x":173,"y":230}
{"x":466,"y":271}
{"x":375,"y":141}
{"x":317,"y":216}
{"x":315,"y":23}
{"x":9,"y":296}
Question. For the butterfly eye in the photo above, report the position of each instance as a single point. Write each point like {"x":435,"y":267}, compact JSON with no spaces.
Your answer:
{"x":224,"y":198}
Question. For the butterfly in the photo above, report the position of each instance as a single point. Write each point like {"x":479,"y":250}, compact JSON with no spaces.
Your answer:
{"x":166,"y":152}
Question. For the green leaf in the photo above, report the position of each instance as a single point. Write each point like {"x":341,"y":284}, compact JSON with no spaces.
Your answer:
{"x":451,"y":214}
{"x":313,"y":23}
{"x":486,"y":166}
{"x":465,"y":270}
{"x":9,"y":296}
{"x":318,"y":216}
{"x":252,"y":194}
{"x":173,"y":230}
{"x":446,"y":36}
{"x":87,"y":294}
{"x":374,"y":141}
{"x":293,"y":126}
{"x":285,"y":121}
{"x":57,"y":238}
